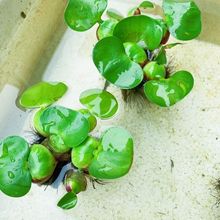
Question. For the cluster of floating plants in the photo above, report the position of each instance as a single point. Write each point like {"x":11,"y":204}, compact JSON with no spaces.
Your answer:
{"x":65,"y":151}
{"x":131,"y":51}
{"x":131,"y":54}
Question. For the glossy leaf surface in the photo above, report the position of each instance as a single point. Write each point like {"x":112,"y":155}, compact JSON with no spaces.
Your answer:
{"x":115,"y":66}
{"x":81,"y":15}
{"x":70,"y":125}
{"x":114,"y":158}
{"x":154,"y":71}
{"x":106,"y":28}
{"x":167,"y":92}
{"x":135,"y":52}
{"x":68,"y":201}
{"x":41,"y":163}
{"x":57,"y":144}
{"x":42,"y":94}
{"x":139,"y":29}
{"x":15,"y":178}
{"x":99,"y":102}
{"x":75,"y":181}
{"x":83,"y":154}
{"x":183,"y":18}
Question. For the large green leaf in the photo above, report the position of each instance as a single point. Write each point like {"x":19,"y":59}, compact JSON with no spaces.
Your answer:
{"x":138,"y":29}
{"x":81,"y":15}
{"x":112,"y":62}
{"x":42,"y":94}
{"x":167,"y":92}
{"x":99,"y":102}
{"x":114,"y":158}
{"x":183,"y":18}
{"x":70,"y":125}
{"x":68,"y":201}
{"x":15,"y":178}
{"x":41,"y":163}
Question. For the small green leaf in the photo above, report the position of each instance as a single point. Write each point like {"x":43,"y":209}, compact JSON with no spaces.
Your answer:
{"x":114,"y":158}
{"x":68,"y":201}
{"x":70,"y":125}
{"x":146,"y":4}
{"x":99,"y":102}
{"x":138,"y":29}
{"x":83,"y":154}
{"x":135,"y":52}
{"x":41,"y":163}
{"x":153,"y":70}
{"x":57,"y":145}
{"x":15,"y":178}
{"x":161,"y":57}
{"x":183,"y":18}
{"x":75,"y":181}
{"x":106,"y":28}
{"x":114,"y":14}
{"x":42,"y":94}
{"x":167,"y":92}
{"x":90,"y":117}
{"x":112,"y":62}
{"x":81,"y":15}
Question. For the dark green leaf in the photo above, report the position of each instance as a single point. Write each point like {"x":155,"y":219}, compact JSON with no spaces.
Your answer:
{"x":183,"y":18}
{"x":81,"y":15}
{"x":112,"y":62}
{"x":90,"y":117}
{"x":42,"y":94}
{"x":99,"y":102}
{"x":139,"y":29}
{"x":167,"y":92}
{"x":68,"y":201}
{"x":15,"y":178}
{"x":114,"y":157}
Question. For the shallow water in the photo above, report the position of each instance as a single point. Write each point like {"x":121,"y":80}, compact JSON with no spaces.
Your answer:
{"x":177,"y":154}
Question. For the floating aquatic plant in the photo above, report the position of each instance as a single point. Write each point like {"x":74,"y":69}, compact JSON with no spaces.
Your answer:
{"x":67,"y":146}
{"x":131,"y":51}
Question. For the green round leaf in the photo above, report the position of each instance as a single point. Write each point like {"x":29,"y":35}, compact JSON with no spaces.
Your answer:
{"x":106,"y":28}
{"x":41,"y":163}
{"x":114,"y":158}
{"x":42,"y":94}
{"x":90,"y":117}
{"x":81,"y":15}
{"x":167,"y":92}
{"x":68,"y":201}
{"x":146,"y":4}
{"x":75,"y":181}
{"x":114,"y":14}
{"x":153,"y":70}
{"x":57,"y":145}
{"x":135,"y":52}
{"x":112,"y":62}
{"x":138,"y":29}
{"x":183,"y":18}
{"x":99,"y":102}
{"x":15,"y":178}
{"x":83,"y":154}
{"x":70,"y":125}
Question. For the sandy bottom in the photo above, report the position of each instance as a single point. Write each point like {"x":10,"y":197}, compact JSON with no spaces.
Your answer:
{"x":177,"y":150}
